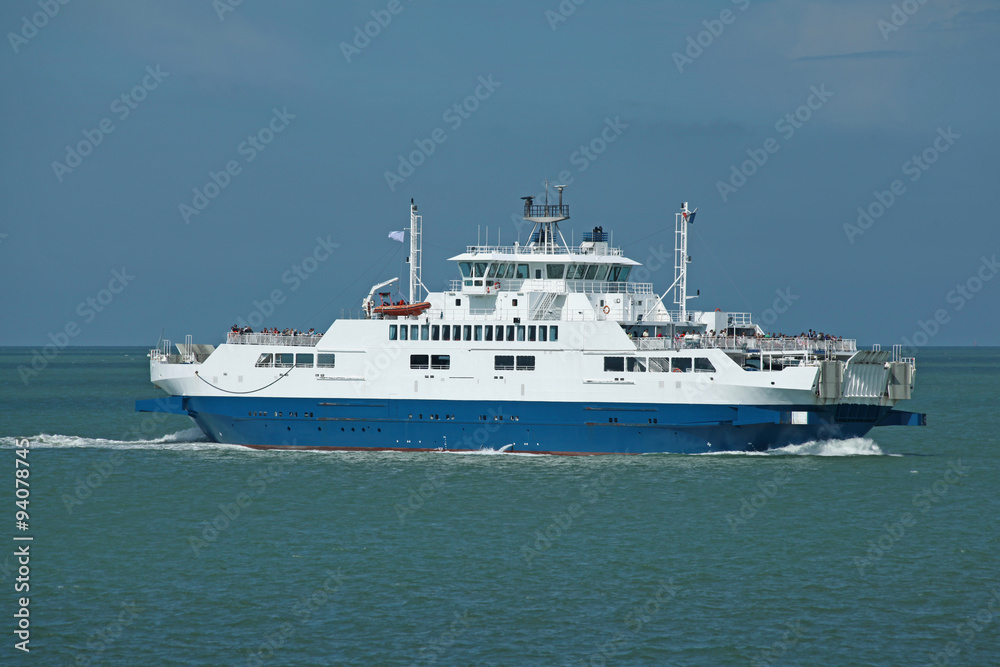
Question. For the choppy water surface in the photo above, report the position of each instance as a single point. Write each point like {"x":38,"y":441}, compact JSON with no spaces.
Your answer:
{"x":152,"y":546}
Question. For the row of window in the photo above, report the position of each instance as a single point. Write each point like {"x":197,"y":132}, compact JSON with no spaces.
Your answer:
{"x":658,"y":364}
{"x":288,"y":360}
{"x":495,"y":270}
{"x":501,"y":362}
{"x":479,"y":332}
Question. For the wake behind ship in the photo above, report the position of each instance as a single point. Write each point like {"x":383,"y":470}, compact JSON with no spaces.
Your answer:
{"x":544,"y":348}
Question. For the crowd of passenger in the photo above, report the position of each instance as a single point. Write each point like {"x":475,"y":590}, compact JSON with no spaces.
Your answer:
{"x":236,"y":329}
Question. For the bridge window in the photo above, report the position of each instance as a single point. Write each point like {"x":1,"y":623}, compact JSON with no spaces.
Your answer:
{"x":531,"y":333}
{"x":305,"y":360}
{"x":614,"y":364}
{"x":503,"y":363}
{"x":466,"y":268}
{"x":592,"y":271}
{"x":613,"y":274}
{"x":489,"y":332}
{"x":479,"y":332}
{"x":602,"y":272}
{"x":326,"y":360}
{"x":419,"y":362}
{"x":392,"y":332}
{"x":522,"y":271}
{"x":511,"y":268}
{"x":265,"y":361}
{"x":441,"y":362}
{"x":553,"y":334}
{"x":581,"y":271}
{"x":659,"y":364}
{"x":525,"y":363}
{"x":480,"y":269}
{"x":624,"y":274}
{"x":502,"y":270}
{"x":703,"y":365}
{"x":467,"y":333}
{"x":636,"y":365}
{"x":554,"y":271}
{"x":493,"y":271}
{"x":682,"y":364}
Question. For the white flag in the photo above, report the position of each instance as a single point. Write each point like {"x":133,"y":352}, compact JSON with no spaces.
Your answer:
{"x":397,"y":236}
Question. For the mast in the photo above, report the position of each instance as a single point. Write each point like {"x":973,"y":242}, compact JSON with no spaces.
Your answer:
{"x":547,"y":218}
{"x":681,"y":257}
{"x":416,"y":222}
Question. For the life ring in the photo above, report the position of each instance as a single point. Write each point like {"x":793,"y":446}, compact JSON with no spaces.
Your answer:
{"x":607,"y":309}
{"x":677,"y":370}
{"x":496,"y":285}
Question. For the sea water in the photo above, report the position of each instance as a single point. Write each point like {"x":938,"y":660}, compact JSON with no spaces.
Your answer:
{"x":151,"y":546}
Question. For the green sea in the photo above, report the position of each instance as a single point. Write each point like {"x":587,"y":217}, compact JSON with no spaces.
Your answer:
{"x":151,"y":546}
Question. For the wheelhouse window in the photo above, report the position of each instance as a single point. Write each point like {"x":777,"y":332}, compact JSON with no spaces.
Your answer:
{"x":326,"y":360}
{"x":492,"y":273}
{"x":525,"y":363}
{"x":419,"y":362}
{"x":602,"y":272}
{"x":592,"y":272}
{"x":703,"y":365}
{"x":522,"y":272}
{"x":614,"y":364}
{"x":581,"y":271}
{"x":480,"y":269}
{"x":441,"y":362}
{"x":511,"y":269}
{"x":623,"y":277}
{"x":503,"y":363}
{"x":554,"y":271}
{"x":466,"y":268}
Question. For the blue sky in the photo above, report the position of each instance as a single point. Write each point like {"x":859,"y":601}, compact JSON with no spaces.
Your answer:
{"x":834,"y":100}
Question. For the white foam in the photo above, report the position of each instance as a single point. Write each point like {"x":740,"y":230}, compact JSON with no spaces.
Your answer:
{"x":190,"y":439}
{"x":847,"y":447}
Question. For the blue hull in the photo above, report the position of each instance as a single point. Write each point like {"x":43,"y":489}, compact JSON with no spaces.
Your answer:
{"x":541,"y":428}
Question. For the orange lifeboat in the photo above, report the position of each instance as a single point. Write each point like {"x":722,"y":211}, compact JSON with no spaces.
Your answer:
{"x":402,"y":310}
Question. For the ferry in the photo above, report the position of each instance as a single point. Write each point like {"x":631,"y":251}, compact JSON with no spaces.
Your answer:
{"x":545,"y":347}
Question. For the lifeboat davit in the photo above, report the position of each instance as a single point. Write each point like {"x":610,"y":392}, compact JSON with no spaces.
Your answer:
{"x":402,"y":310}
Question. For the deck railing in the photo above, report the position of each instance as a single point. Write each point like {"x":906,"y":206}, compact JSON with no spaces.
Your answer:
{"x":301,"y":340}
{"x":790,"y":345}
